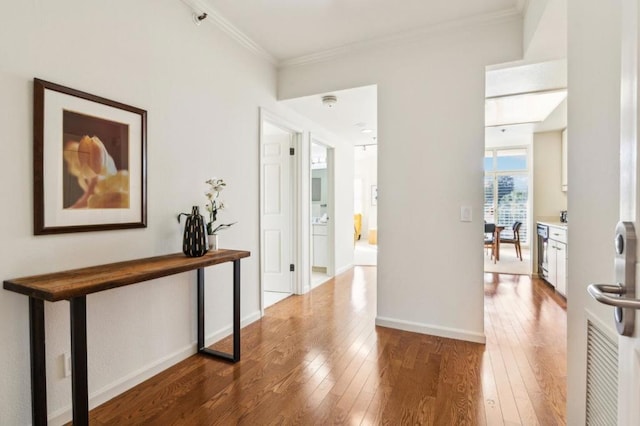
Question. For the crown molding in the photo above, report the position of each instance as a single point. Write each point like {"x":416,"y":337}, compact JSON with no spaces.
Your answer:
{"x":215,"y":18}
{"x":523,"y":6}
{"x":405,"y":37}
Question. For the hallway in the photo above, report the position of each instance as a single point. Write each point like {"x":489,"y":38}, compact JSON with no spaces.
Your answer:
{"x":319,"y":359}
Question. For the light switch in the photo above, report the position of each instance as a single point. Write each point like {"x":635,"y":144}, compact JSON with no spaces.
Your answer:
{"x":466,"y":214}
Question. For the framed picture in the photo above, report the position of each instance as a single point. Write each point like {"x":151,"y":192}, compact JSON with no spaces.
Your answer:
{"x":374,"y":195}
{"x":89,"y":162}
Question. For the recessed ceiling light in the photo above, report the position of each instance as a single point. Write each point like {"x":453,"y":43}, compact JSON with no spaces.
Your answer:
{"x":367,"y":130}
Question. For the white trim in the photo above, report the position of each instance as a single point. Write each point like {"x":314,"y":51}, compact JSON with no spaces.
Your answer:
{"x":523,"y":5}
{"x":299,"y":286}
{"x":331,"y":150}
{"x":319,"y":283}
{"x":347,"y":267}
{"x":215,"y":18}
{"x":451,"y":333}
{"x":121,"y":385}
{"x":403,"y":37}
{"x":278,"y":121}
{"x":224,"y":25}
{"x":223,"y":332}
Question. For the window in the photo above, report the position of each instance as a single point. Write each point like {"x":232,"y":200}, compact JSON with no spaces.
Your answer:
{"x":506,"y":188}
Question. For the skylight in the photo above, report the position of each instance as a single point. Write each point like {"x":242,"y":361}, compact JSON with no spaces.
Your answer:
{"x":520,"y":109}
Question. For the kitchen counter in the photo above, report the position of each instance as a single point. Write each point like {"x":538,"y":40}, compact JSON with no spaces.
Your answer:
{"x":556,"y":224}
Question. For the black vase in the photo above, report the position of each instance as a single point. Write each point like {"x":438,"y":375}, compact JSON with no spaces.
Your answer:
{"x":194,"y":242}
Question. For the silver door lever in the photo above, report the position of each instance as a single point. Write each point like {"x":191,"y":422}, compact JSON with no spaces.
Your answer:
{"x":621,"y":295}
{"x":600,"y":291}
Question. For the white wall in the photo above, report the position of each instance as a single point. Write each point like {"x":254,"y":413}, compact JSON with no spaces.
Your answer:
{"x":548,"y":198}
{"x":508,"y":140}
{"x":594,"y":121}
{"x":366,"y":169}
{"x":202,"y":93}
{"x":532,"y":17}
{"x":431,"y":145}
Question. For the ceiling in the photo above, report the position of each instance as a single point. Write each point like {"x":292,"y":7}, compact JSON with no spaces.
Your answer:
{"x":526,"y":80}
{"x":354,"y":117}
{"x":288,"y":29}
{"x":293,"y":31}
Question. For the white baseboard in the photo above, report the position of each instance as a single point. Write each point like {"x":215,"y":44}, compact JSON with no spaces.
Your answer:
{"x":228,"y":330}
{"x":115,"y":388}
{"x":451,"y":333}
{"x":344,"y":269}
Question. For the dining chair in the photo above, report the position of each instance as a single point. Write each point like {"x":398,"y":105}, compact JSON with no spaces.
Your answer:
{"x":514,"y":238}
{"x":490,"y":239}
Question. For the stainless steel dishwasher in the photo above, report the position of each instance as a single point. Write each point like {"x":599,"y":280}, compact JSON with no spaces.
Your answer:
{"x":543,"y":245}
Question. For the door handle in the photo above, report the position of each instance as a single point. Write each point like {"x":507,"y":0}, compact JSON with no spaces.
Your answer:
{"x":600,"y":291}
{"x":622,"y":294}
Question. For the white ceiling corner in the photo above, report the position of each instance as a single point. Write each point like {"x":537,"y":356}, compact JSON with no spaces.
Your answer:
{"x":289,"y":32}
{"x":401,"y":37}
{"x":214,"y":17}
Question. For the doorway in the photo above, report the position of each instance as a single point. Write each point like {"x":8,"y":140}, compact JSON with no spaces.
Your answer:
{"x":278,"y":197}
{"x":507,"y":203}
{"x":365,"y":205}
{"x":322,"y":247}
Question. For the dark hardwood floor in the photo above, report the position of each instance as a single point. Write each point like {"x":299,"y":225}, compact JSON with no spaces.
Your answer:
{"x":319,"y":359}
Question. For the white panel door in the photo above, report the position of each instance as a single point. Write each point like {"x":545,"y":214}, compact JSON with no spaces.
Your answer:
{"x":276,"y":213}
{"x":629,"y":347}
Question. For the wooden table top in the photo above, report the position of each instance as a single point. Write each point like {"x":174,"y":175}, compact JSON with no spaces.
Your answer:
{"x":79,"y":282}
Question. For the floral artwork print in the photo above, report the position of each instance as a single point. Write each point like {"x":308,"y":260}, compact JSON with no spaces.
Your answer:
{"x":95,"y":153}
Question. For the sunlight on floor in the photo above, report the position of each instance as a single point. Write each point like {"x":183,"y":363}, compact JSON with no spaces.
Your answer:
{"x":365,"y":254}
{"x":509,"y":263}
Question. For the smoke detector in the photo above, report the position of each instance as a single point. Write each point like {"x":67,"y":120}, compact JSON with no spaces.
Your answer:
{"x":329,"y":101}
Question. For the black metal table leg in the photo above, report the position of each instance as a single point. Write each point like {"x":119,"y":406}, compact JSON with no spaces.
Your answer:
{"x":79,"y":382}
{"x":200,"y":308}
{"x":235,"y":356}
{"x":236,"y":310}
{"x":38,"y":362}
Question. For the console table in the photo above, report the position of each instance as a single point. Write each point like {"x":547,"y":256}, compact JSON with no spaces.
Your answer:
{"x":75,"y":285}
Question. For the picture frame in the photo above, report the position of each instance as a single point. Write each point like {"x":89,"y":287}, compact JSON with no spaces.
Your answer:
{"x":374,"y":195}
{"x":89,"y":162}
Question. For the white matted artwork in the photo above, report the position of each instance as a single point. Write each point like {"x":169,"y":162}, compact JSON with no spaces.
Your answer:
{"x":89,"y":162}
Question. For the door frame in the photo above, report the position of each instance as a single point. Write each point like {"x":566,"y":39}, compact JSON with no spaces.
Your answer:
{"x":297,"y":228}
{"x":331,"y":210}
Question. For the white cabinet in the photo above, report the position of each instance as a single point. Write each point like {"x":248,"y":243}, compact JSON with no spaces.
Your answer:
{"x":565,"y":177}
{"x":557,"y":259}
{"x":561,"y":268}
{"x":320,"y":246}
{"x":552,"y":264}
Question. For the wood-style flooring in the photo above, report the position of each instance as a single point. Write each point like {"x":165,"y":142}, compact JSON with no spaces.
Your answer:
{"x":319,"y":359}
